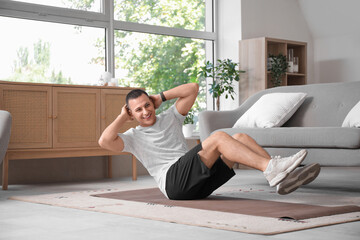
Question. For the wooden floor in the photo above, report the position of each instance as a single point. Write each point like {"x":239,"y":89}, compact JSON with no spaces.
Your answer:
{"x":21,"y":220}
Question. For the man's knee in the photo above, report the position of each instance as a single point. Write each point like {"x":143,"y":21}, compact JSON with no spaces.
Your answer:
{"x":241,"y":137}
{"x":219,"y":136}
{"x":215,"y":139}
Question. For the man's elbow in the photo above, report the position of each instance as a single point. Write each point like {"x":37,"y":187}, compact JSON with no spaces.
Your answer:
{"x":110,"y":144}
{"x":102,"y":142}
{"x":195,"y":87}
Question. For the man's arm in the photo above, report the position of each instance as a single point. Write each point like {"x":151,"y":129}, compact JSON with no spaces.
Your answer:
{"x":109,"y":138}
{"x":186,"y":95}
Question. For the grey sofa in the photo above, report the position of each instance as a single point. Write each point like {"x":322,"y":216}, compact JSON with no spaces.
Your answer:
{"x":315,"y":126}
{"x":5,"y":128}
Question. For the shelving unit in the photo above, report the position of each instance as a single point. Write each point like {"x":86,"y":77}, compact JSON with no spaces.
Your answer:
{"x":253,"y":57}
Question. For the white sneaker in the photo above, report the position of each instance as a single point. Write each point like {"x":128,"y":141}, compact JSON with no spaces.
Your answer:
{"x":278,"y":168}
{"x":297,"y":178}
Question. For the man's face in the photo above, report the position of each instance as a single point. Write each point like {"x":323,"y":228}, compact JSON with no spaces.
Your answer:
{"x":142,"y":109}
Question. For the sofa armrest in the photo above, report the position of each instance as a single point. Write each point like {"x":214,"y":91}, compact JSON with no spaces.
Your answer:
{"x":5,"y":127}
{"x":210,"y":121}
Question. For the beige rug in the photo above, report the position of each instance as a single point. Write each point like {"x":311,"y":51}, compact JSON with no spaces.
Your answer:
{"x":185,"y":215}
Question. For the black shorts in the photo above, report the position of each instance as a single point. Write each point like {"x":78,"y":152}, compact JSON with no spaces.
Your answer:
{"x":189,"y":178}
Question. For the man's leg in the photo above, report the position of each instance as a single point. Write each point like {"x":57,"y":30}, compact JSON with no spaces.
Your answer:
{"x":251,"y":143}
{"x":234,"y":151}
{"x":297,"y":178}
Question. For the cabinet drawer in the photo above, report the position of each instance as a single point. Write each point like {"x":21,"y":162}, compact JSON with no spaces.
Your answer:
{"x":76,"y":117}
{"x":30,"y":107}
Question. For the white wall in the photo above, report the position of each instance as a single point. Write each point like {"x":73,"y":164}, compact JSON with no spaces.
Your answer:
{"x":335,"y":28}
{"x":278,"y":19}
{"x":244,"y":19}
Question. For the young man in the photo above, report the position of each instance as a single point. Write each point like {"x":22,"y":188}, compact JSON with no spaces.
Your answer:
{"x":158,"y":143}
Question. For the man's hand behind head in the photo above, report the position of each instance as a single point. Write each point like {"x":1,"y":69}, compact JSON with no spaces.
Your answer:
{"x":125,"y":111}
{"x":156,"y":99}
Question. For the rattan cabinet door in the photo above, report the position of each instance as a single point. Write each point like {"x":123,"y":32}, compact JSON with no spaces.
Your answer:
{"x":112,"y":101}
{"x":30,"y":107}
{"x":76,"y":117}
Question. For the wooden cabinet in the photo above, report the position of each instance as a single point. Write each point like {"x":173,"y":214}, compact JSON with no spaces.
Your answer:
{"x":253,"y":57}
{"x":52,"y":121}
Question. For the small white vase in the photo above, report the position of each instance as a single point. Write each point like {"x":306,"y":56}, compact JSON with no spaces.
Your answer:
{"x":188,"y":130}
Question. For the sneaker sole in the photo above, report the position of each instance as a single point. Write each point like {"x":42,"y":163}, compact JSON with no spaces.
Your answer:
{"x":302,"y":177}
{"x":283,"y":175}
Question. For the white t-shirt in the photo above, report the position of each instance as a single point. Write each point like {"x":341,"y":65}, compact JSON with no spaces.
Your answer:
{"x":159,"y":146}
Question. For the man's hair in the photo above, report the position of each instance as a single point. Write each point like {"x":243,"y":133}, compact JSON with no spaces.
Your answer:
{"x":133,"y":94}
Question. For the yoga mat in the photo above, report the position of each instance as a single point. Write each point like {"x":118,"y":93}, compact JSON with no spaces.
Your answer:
{"x":234,"y":205}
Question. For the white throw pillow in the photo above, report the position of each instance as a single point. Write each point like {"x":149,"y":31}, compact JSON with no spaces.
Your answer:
{"x":353,"y":117}
{"x":271,"y":110}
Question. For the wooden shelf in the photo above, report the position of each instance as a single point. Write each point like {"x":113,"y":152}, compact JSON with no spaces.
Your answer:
{"x":253,"y":57}
{"x":292,"y":74}
{"x":296,"y":74}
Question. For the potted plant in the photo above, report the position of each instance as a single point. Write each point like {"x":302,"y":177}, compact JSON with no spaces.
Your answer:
{"x":188,"y":125}
{"x":277,"y":69}
{"x":223,"y":74}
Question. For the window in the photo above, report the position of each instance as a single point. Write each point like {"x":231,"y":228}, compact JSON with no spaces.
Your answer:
{"x":153,"y":44}
{"x":35,"y":51}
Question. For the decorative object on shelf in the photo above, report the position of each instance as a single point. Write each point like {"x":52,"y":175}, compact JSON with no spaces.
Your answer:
{"x":290,"y":60}
{"x":296,"y":64}
{"x":223,"y":74}
{"x":105,"y":79}
{"x":278,"y":69}
{"x":269,"y":62}
{"x":113,"y":82}
{"x":188,"y":125}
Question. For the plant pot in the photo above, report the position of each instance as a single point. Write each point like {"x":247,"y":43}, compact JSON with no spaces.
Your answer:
{"x":188,"y":130}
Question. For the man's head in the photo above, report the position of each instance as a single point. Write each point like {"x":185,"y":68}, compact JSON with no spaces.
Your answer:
{"x":141,"y":107}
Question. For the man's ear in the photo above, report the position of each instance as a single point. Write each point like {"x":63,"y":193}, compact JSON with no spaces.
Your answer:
{"x":130,"y":114}
{"x":128,"y":110}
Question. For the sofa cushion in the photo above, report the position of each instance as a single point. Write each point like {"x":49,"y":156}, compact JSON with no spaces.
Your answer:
{"x":271,"y":110}
{"x":312,"y":137}
{"x":353,"y":117}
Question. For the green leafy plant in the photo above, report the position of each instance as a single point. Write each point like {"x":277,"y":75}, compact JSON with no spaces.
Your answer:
{"x":189,"y":118}
{"x":223,"y":74}
{"x":278,"y":68}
